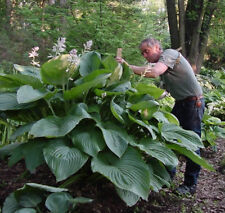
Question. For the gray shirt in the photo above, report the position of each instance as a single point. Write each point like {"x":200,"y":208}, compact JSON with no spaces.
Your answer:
{"x":179,"y":79}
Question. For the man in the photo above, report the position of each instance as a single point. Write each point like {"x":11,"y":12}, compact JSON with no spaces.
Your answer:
{"x":179,"y":79}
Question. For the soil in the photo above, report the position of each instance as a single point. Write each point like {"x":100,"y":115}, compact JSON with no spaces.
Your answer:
{"x":210,"y":195}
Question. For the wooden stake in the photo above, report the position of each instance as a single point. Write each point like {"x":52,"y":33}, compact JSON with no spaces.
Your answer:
{"x":119,"y":52}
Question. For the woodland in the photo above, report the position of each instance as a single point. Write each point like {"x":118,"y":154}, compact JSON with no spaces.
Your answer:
{"x":80,"y":132}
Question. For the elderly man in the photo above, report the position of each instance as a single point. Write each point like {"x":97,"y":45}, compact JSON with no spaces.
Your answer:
{"x":179,"y":80}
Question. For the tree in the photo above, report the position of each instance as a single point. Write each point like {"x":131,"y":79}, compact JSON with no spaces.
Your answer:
{"x":189,"y":24}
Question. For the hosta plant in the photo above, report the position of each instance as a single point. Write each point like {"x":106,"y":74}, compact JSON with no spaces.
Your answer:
{"x":90,"y":116}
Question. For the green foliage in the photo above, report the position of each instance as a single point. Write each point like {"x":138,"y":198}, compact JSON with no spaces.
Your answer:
{"x":95,"y":118}
{"x":40,"y":198}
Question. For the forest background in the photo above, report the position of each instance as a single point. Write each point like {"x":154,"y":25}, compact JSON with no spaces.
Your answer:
{"x":109,"y":24}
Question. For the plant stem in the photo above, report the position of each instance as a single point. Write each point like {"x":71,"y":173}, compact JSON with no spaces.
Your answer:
{"x":50,"y":107}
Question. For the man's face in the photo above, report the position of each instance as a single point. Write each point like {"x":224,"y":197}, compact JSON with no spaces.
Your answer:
{"x":151,"y":54}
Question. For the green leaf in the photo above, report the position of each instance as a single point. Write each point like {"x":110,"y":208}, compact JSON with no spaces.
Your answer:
{"x":63,"y":160}
{"x":191,"y":155}
{"x":141,"y":123}
{"x":110,"y":63}
{"x":165,"y":117}
{"x":159,"y":176}
{"x":59,"y":126}
{"x":55,"y":70}
{"x":146,"y":88}
{"x":81,"y":200}
{"x":8,"y":101}
{"x":80,"y":90}
{"x":116,"y":75}
{"x":117,"y":111}
{"x":26,"y":94}
{"x":29,"y":199}
{"x":178,"y":135}
{"x":127,"y":196}
{"x":45,"y":187}
{"x":89,"y":62}
{"x":128,"y":173}
{"x":58,"y":202}
{"x":157,"y":150}
{"x":10,"y":205}
{"x":21,"y":130}
{"x":7,"y":149}
{"x":116,"y":138}
{"x":90,"y":142}
{"x":28,"y":70}
{"x":147,"y":108}
{"x":26,"y":210}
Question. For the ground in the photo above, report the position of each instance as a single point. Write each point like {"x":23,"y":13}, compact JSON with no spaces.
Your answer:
{"x":210,"y":196}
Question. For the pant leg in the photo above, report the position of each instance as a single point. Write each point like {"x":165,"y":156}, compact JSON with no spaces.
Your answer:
{"x":190,"y":117}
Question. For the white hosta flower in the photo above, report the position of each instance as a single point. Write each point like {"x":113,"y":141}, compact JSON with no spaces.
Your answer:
{"x":33,"y":54}
{"x":74,"y":58}
{"x":58,"y":47}
{"x":88,"y":45}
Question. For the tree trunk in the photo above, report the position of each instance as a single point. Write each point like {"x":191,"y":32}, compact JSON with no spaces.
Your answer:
{"x":192,"y":34}
{"x":181,"y":26}
{"x":173,"y":26}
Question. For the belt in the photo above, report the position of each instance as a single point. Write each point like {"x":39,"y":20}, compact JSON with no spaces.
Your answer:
{"x":193,"y":98}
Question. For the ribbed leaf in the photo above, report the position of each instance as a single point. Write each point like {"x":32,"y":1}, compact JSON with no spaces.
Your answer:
{"x":158,"y":151}
{"x":8,"y":101}
{"x":116,"y":138}
{"x":60,"y":126}
{"x":55,"y":70}
{"x":146,"y":88}
{"x":141,"y":123}
{"x":26,"y":94}
{"x":191,"y":155}
{"x":58,"y":202}
{"x":165,"y":117}
{"x":127,"y":196}
{"x":89,"y":62}
{"x":81,"y":89}
{"x":29,"y":199}
{"x":184,"y":138}
{"x":63,"y":160}
{"x":128,"y":173}
{"x":26,"y":210}
{"x":158,"y":175}
{"x":28,"y":70}
{"x":90,"y":142}
{"x":117,"y":111}
{"x":10,"y":205}
{"x":44,"y":187}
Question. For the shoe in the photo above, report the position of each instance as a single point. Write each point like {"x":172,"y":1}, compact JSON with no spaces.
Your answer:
{"x":185,"y":190}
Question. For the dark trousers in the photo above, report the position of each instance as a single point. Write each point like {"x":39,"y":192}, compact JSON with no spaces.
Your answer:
{"x":190,"y":117}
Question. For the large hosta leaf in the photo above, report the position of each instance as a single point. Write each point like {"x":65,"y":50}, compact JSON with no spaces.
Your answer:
{"x":158,"y":151}
{"x":90,"y":142}
{"x":178,"y":135}
{"x":63,"y":160}
{"x":191,"y":155}
{"x":127,"y":196}
{"x":117,"y":111}
{"x":58,"y":202}
{"x":159,"y":175}
{"x":55,"y":70}
{"x":8,"y":101}
{"x":89,"y":62}
{"x":116,"y":138}
{"x":110,"y":63}
{"x":142,"y":123}
{"x":28,"y":70}
{"x":146,"y":88}
{"x":26,"y":94}
{"x":128,"y":173}
{"x":81,"y":89}
{"x":26,"y":210}
{"x":53,"y":126}
{"x":11,"y":204}
{"x":165,"y":117}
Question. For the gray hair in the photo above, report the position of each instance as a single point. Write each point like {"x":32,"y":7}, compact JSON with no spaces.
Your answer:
{"x":151,"y":42}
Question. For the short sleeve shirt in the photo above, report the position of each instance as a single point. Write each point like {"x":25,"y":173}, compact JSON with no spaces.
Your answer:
{"x":179,"y":79}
